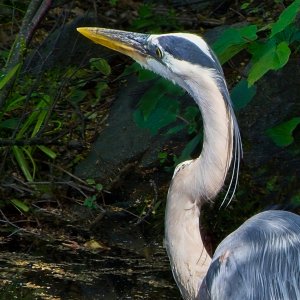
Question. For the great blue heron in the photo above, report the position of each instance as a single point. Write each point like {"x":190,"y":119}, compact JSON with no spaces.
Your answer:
{"x":261,"y":259}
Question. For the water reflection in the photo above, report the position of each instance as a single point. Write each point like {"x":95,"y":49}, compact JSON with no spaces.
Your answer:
{"x":79,"y":274}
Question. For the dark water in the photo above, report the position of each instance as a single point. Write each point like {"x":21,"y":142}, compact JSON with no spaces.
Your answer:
{"x":53,"y":271}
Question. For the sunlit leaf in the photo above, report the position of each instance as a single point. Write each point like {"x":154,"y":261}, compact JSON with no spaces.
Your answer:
{"x":282,"y":134}
{"x":20,"y":205}
{"x":267,"y":56}
{"x":286,"y":18}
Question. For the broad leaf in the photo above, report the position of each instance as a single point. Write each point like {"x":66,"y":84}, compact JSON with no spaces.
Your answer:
{"x":156,"y":93}
{"x":282,"y":134}
{"x":286,"y":18}
{"x":164,"y":114}
{"x":233,"y":40}
{"x":101,"y":65}
{"x":267,"y":56}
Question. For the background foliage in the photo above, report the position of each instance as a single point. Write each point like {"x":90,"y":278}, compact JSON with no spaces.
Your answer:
{"x":38,"y":118}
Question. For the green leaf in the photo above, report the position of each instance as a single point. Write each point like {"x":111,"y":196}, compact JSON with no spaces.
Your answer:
{"x":286,"y":18}
{"x":146,"y":75}
{"x":76,"y":96}
{"x":90,"y":181}
{"x":99,"y":187}
{"x":20,"y":205}
{"x":282,"y":134}
{"x":282,"y":55}
{"x":165,"y":113}
{"x":37,"y":116}
{"x":20,"y":157}
{"x":90,"y":202}
{"x":47,"y":151}
{"x":245,"y":5}
{"x":267,"y":56}
{"x":101,"y":65}
{"x":15,"y":103}
{"x":233,"y":40}
{"x":241,"y":94}
{"x":162,"y":155}
{"x":296,"y":199}
{"x":10,"y":123}
{"x":100,"y":88}
{"x":156,"y":93}
{"x":133,"y":68}
{"x":176,"y":129}
{"x":39,"y":122}
{"x":7,"y":77}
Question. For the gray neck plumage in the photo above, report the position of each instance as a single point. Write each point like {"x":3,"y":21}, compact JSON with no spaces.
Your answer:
{"x":197,"y":181}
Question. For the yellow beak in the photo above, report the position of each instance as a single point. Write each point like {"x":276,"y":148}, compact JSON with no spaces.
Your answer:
{"x":129,"y":43}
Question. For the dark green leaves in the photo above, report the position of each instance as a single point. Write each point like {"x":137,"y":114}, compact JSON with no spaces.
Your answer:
{"x":282,"y":134}
{"x":165,"y":113}
{"x":242,"y":94}
{"x":101,"y":65}
{"x":233,"y":40}
{"x":267,"y":56}
{"x":157,"y":93}
{"x":286,"y":18}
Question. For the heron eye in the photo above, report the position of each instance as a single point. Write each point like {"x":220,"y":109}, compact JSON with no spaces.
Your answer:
{"x":158,"y":52}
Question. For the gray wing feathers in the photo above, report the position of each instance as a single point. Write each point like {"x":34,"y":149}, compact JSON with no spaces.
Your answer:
{"x":260,"y":260}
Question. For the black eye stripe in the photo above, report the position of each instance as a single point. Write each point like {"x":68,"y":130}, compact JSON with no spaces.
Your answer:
{"x":183,"y":49}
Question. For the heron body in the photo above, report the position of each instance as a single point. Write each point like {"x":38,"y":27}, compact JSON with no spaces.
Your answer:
{"x":261,"y":259}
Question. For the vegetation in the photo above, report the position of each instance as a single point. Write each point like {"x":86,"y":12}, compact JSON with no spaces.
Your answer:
{"x":57,"y":95}
{"x":269,"y":47}
{"x":46,"y":129}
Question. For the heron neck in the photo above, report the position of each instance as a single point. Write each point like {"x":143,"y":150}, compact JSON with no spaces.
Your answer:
{"x":206,"y":174}
{"x":194,"y":183}
{"x":188,"y":257}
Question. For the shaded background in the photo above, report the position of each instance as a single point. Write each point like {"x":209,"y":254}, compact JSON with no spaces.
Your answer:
{"x":90,"y":223}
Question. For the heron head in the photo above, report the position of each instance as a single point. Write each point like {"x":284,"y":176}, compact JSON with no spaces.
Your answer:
{"x":175,"y":56}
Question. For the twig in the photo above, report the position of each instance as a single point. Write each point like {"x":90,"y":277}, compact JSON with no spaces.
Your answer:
{"x":154,"y":199}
